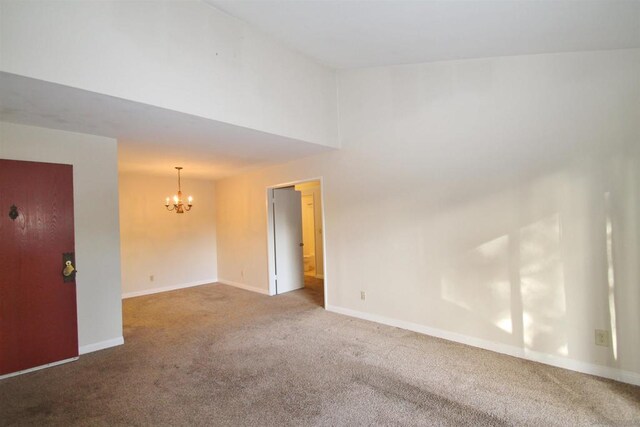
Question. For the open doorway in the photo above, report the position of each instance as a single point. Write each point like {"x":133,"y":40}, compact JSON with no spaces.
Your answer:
{"x":296,"y":239}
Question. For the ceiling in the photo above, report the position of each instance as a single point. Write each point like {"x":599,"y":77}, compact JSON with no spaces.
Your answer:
{"x":150,"y":139}
{"x":350,"y":33}
{"x":339,"y":33}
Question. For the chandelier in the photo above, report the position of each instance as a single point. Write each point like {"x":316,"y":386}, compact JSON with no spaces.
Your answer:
{"x":177,"y":204}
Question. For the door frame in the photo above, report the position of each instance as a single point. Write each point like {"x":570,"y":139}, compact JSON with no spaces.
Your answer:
{"x":271,"y":256}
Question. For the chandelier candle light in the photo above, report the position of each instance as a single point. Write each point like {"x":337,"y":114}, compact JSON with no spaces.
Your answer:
{"x":178,"y":206}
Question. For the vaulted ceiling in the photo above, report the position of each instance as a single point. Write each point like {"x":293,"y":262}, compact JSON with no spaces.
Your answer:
{"x":348,"y":33}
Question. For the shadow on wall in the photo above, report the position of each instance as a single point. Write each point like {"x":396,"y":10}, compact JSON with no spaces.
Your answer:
{"x":549,"y":285}
{"x":516,"y":284}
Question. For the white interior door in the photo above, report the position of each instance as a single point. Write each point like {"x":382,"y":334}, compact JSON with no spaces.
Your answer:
{"x":287,"y":229}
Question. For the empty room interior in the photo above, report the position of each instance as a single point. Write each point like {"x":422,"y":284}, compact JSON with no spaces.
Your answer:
{"x":320,"y":212}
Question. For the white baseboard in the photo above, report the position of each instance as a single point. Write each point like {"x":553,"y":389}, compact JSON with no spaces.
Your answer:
{"x":166,"y":288}
{"x":243,"y":286}
{"x":89,"y":348}
{"x":37,"y":368}
{"x":548,"y":359}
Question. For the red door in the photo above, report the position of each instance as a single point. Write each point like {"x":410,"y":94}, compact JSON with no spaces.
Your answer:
{"x":38,"y":322}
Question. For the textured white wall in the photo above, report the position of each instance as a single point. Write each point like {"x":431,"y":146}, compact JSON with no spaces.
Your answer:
{"x":181,"y":55}
{"x":95,"y":188}
{"x":468,"y":199}
{"x":177,"y":249}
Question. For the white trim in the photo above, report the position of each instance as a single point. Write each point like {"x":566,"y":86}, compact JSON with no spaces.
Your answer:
{"x":89,"y":348}
{"x":243,"y":286}
{"x":167,"y":288}
{"x":548,"y":359}
{"x":271,"y":258}
{"x":37,"y":368}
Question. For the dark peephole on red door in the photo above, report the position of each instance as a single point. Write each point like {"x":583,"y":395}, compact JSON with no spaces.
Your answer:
{"x":13,"y":212}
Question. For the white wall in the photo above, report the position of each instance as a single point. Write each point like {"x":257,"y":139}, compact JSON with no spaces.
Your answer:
{"x":181,"y":55}
{"x":179,"y":250}
{"x":468,"y":201}
{"x":97,"y":236}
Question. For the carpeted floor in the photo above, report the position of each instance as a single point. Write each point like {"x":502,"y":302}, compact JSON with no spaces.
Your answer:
{"x":216,"y":355}
{"x":315,"y":288}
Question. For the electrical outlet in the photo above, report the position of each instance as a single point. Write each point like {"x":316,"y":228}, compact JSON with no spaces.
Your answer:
{"x":363,"y":295}
{"x":602,"y":337}
{"x":151,"y":278}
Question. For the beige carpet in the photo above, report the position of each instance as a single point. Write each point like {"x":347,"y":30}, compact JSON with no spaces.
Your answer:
{"x":216,"y":355}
